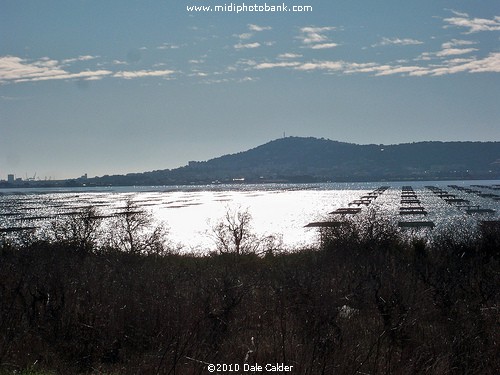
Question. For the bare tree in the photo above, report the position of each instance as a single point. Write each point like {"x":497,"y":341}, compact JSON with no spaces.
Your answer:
{"x":134,"y":231}
{"x":81,"y":229}
{"x":233,"y":234}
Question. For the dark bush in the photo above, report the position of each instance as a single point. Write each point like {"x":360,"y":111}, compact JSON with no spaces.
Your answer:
{"x":366,"y":301}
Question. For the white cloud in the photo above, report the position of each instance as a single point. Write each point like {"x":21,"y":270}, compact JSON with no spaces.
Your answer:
{"x":461,"y":14}
{"x":88,"y":75}
{"x":247,"y":79}
{"x":253,"y":27}
{"x":241,"y":64}
{"x":460,"y":60}
{"x":454,"y":51}
{"x":198,"y":74}
{"x":312,"y":35}
{"x":322,"y":65}
{"x":283,"y":64}
{"x":168,"y":46}
{"x":316,"y":38}
{"x":312,"y":29}
{"x":456,"y":43}
{"x":385,"y":70}
{"x":448,"y":49}
{"x":351,"y":68}
{"x":247,"y":45}
{"x":79,"y":58}
{"x":289,"y":56}
{"x":473,"y":25}
{"x":426,"y":56}
{"x":446,"y":66}
{"x":15,"y":69}
{"x":323,"y":46}
{"x":397,"y":42}
{"x":244,"y":36}
{"x":143,"y":73}
{"x":344,"y":67}
{"x":489,"y":64}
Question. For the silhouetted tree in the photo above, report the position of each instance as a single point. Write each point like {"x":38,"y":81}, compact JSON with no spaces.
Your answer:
{"x":134,"y":231}
{"x":81,"y":229}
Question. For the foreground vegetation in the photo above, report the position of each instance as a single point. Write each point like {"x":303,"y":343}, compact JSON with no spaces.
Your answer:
{"x":84,"y":299}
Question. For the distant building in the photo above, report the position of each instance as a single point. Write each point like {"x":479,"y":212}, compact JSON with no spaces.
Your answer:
{"x":10,"y":178}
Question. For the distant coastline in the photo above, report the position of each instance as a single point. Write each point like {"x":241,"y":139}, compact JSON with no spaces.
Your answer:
{"x":312,"y":160}
{"x":75,"y":183}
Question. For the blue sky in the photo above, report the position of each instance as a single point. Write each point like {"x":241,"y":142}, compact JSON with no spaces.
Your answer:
{"x":107,"y":87}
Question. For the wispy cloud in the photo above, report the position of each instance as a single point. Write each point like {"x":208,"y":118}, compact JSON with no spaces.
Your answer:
{"x":257,"y":28}
{"x":247,"y":45}
{"x":457,"y":42}
{"x":397,"y":42}
{"x":198,"y":74}
{"x":454,"y":56}
{"x":489,"y":64}
{"x":168,"y":46}
{"x":88,"y":75}
{"x":143,"y":73}
{"x":316,"y":38}
{"x":455,"y":51}
{"x":248,"y":35}
{"x":289,"y":56}
{"x":119,"y":62}
{"x":282,"y":64}
{"x":449,"y":49}
{"x":311,"y":35}
{"x":474,"y":25}
{"x":324,"y":45}
{"x":241,"y":65}
{"x":385,"y":70}
{"x":15,"y":69}
{"x":322,"y":65}
{"x":80,"y":58}
{"x":244,"y":36}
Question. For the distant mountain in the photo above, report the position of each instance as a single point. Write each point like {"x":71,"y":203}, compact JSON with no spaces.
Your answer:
{"x":295,"y":159}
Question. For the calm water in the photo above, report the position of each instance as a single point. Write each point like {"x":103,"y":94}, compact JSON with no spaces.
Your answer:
{"x":284,"y":209}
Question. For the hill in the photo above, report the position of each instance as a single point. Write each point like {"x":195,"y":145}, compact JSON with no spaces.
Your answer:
{"x":297,"y":159}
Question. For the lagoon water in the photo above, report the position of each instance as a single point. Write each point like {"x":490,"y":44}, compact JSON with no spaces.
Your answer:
{"x":276,"y":209}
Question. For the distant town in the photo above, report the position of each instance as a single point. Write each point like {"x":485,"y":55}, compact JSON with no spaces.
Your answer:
{"x":27,"y":182}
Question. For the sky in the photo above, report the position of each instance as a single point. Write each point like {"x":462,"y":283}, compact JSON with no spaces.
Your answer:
{"x":123,"y":86}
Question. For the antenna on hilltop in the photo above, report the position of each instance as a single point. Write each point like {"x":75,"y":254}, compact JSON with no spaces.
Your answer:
{"x":284,"y":135}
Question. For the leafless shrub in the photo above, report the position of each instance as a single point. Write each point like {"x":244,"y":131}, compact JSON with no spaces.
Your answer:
{"x":134,"y":231}
{"x":82,"y":230}
{"x":233,"y":234}
{"x":363,"y":303}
